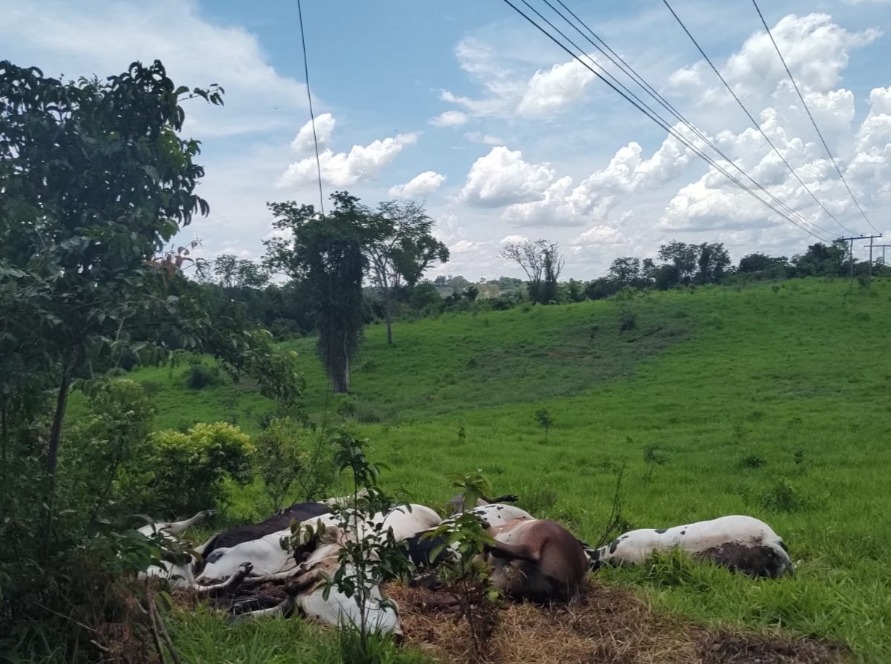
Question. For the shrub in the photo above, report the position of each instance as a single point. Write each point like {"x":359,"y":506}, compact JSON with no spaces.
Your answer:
{"x":189,"y":468}
{"x":752,"y":461}
{"x":102,"y":459}
{"x":627,"y":320}
{"x":782,"y":497}
{"x":289,"y":455}
{"x":200,"y":375}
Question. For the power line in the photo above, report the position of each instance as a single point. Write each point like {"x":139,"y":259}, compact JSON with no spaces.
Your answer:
{"x":754,"y":122}
{"x":810,"y":115}
{"x":629,"y":71}
{"x":662,"y":123}
{"x":312,"y":117}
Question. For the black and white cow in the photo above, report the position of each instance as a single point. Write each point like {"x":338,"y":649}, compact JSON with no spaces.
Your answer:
{"x":741,"y":543}
{"x":456,"y":504}
{"x":177,"y":568}
{"x":275,"y":523}
{"x":270,"y":559}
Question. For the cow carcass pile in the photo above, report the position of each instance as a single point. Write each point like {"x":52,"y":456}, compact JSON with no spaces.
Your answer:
{"x":270,"y":568}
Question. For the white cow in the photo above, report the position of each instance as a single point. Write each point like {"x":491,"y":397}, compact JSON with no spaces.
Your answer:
{"x":338,"y":609}
{"x":308,"y":592}
{"x":738,"y":542}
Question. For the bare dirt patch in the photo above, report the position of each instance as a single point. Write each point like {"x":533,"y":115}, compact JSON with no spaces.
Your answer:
{"x":608,"y":625}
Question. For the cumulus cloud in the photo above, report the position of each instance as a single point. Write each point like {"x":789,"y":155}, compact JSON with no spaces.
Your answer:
{"x":513,"y":91}
{"x":324,"y":127}
{"x":815,"y":48}
{"x":60,"y":36}
{"x":449,"y":119}
{"x":533,"y":195}
{"x":502,"y":177}
{"x":343,"y":169}
{"x":419,"y":186}
{"x":547,"y":92}
{"x":598,"y":234}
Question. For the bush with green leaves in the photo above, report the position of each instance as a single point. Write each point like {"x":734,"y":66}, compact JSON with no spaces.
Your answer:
{"x":190,"y":467}
{"x":290,"y":456}
{"x":200,"y":375}
{"x":365,"y":562}
{"x":112,"y":437}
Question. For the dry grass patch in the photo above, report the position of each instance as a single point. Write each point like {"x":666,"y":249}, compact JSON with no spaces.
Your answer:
{"x":608,"y":625}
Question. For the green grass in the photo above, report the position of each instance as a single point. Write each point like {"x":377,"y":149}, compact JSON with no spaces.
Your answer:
{"x":767,"y":400}
{"x":201,"y":636}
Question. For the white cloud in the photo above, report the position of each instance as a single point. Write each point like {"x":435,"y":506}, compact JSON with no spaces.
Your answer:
{"x":324,"y":127}
{"x":511,"y":91}
{"x":61,"y":36}
{"x":815,"y":48}
{"x":559,"y":201}
{"x":598,"y":235}
{"x":485,"y":139}
{"x":502,"y":177}
{"x":547,"y":92}
{"x":343,"y":169}
{"x":419,"y":186}
{"x":449,"y":119}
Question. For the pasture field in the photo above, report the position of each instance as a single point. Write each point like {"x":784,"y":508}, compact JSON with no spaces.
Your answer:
{"x":770,"y":400}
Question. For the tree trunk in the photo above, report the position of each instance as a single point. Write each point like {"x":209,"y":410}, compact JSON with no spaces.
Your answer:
{"x":58,"y":417}
{"x":387,"y":316}
{"x":52,"y":455}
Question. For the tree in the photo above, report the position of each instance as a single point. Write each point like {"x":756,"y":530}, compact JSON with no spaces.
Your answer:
{"x":823,"y":260}
{"x":228,"y":271}
{"x":95,"y":181}
{"x":400,"y":250}
{"x":682,"y":257}
{"x":542,"y":263}
{"x":327,"y":252}
{"x":713,"y":262}
{"x":762,"y":265}
{"x":625,"y":271}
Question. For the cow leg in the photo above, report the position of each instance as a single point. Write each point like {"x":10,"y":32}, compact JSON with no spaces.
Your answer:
{"x":298,"y":570}
{"x":243,"y":570}
{"x":177,"y":528}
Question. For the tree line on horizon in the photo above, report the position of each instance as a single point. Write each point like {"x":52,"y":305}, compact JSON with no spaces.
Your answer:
{"x":289,"y":308}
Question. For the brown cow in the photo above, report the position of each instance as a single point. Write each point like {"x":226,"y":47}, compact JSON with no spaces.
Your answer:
{"x":537,"y":559}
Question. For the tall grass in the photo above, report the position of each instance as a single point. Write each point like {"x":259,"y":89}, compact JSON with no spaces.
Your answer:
{"x":769,"y":401}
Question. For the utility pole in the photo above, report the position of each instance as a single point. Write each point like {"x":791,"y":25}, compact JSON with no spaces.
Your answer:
{"x":882,"y":247}
{"x":851,"y":252}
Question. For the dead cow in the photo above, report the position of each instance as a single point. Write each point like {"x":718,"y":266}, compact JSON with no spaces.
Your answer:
{"x":741,"y":543}
{"x":456,"y":504}
{"x":177,"y":567}
{"x":537,"y":559}
{"x":277,"y":522}
{"x":309,"y":592}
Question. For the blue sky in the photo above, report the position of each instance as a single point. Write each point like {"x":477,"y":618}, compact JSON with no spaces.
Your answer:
{"x":464,"y":106}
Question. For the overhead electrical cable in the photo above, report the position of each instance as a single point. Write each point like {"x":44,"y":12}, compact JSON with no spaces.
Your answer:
{"x":312,"y":117}
{"x":617,"y":60}
{"x":810,"y":115}
{"x":631,"y":73}
{"x":635,"y":101}
{"x":754,"y":122}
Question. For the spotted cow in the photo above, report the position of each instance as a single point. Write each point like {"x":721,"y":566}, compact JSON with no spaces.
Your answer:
{"x":740,"y":543}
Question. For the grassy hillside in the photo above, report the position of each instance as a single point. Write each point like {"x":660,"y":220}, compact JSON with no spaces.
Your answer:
{"x":766,"y":400}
